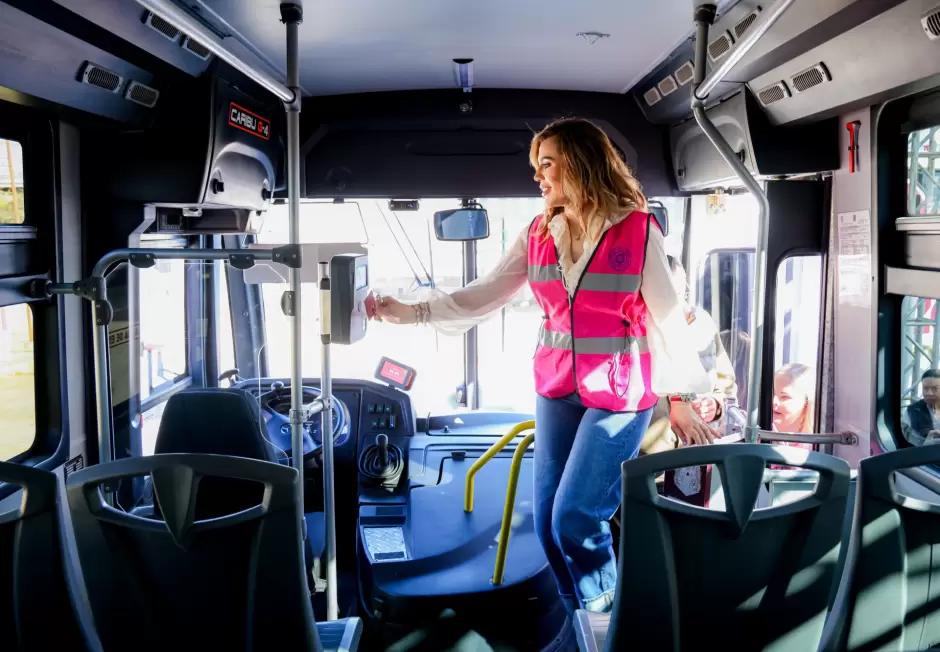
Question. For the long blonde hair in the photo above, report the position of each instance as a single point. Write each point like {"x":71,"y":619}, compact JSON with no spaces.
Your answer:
{"x":803,"y":378}
{"x":596,"y":181}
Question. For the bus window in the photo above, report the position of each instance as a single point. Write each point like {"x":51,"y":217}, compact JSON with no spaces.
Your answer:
{"x":923,"y":172}
{"x":726,"y":292}
{"x":163,"y":342}
{"x":507,"y":340}
{"x":12,"y":208}
{"x":796,"y":342}
{"x":17,"y":381}
{"x":920,"y":371}
{"x":162,"y":326}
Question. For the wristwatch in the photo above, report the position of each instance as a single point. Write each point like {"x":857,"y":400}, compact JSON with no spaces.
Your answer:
{"x":681,"y":398}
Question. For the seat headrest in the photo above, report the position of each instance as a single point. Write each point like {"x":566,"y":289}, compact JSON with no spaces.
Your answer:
{"x":661,"y":214}
{"x":214,"y":421}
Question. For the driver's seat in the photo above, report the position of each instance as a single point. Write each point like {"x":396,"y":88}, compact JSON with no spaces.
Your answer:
{"x":226,"y":422}
{"x":216,"y":422}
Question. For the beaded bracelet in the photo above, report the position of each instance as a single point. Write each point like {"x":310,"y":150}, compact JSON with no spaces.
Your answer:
{"x":422,"y":313}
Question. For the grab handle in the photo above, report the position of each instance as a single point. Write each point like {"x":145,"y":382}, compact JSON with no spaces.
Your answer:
{"x":506,"y":527}
{"x":486,"y":457}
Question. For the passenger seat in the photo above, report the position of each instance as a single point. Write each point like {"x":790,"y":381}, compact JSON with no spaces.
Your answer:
{"x":36,"y":610}
{"x":743,"y":578}
{"x":888,"y":597}
{"x":233,"y":582}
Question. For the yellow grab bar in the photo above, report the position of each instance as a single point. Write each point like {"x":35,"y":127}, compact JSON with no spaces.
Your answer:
{"x":487,"y":456}
{"x":508,"y":508}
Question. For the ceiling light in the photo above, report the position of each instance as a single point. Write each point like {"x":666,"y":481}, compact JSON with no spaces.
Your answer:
{"x":592,"y":37}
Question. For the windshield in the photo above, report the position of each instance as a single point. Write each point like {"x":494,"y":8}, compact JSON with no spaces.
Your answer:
{"x":404,"y":257}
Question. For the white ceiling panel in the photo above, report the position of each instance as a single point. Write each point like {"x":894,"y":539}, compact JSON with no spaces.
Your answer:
{"x":353,"y":46}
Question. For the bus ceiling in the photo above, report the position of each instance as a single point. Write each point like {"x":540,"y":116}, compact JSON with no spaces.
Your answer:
{"x":418,"y":132}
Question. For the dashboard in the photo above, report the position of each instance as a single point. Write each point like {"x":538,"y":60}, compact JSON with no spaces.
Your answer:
{"x":361,"y":411}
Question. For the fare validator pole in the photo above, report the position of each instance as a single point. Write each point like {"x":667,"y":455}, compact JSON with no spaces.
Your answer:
{"x":326,"y":426}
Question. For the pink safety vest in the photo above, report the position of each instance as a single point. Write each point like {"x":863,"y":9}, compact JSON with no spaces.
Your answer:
{"x":594,"y":343}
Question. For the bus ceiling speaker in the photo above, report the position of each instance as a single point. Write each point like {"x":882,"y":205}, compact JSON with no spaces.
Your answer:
{"x":95,"y":75}
{"x":773,"y":93}
{"x":813,"y":76}
{"x":720,"y":46}
{"x":742,"y":25}
{"x":161,"y":27}
{"x":141,"y":94}
{"x":685,"y":73}
{"x":652,"y":97}
{"x":667,"y":85}
{"x":196,"y":48}
{"x":931,"y":23}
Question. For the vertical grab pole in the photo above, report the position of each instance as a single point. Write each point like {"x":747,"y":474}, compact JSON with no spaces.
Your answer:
{"x":292,"y":17}
{"x":701,"y":87}
{"x":326,"y":427}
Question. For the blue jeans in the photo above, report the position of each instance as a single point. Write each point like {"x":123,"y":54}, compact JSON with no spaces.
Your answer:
{"x":578,"y":453}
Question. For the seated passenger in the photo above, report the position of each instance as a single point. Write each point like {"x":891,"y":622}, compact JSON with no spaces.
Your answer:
{"x":923,"y":416}
{"x":794,"y":402}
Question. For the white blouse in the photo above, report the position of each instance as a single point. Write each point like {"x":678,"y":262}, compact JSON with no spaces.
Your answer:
{"x":676,"y":367}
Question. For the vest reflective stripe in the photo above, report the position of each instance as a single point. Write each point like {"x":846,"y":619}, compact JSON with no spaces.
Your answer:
{"x":610,"y":282}
{"x":594,"y":345}
{"x":544,"y":273}
{"x":594,"y":342}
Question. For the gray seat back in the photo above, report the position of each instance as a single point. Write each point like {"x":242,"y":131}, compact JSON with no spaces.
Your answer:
{"x":33,"y":587}
{"x":888,"y":598}
{"x":745,"y":578}
{"x":233,"y":582}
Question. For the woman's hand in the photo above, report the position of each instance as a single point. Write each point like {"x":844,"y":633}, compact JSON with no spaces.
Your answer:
{"x":706,"y":408}
{"x":381,"y":308}
{"x":688,"y":426}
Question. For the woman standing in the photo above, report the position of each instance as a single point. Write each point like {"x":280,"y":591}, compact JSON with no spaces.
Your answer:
{"x":613,"y":339}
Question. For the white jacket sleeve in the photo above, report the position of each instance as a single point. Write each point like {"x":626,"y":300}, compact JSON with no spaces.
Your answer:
{"x":457,"y":312}
{"x":676,"y":366}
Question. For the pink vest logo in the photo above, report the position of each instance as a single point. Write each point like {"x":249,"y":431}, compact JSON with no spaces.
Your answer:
{"x":619,"y":259}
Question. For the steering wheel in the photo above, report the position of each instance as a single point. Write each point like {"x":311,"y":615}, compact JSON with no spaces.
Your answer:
{"x":276,"y":406}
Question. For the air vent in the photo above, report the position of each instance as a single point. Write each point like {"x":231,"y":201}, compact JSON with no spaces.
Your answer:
{"x":162,"y":27}
{"x":685,"y":73}
{"x":652,"y":97}
{"x":142,"y":94}
{"x":931,"y":23}
{"x":720,"y":46}
{"x":773,"y":93}
{"x":667,"y":85}
{"x":813,"y":76}
{"x":103,"y":78}
{"x":743,"y":24}
{"x":195,"y":47}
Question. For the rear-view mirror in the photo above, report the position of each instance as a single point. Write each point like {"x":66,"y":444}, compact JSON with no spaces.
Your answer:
{"x":461,"y":224}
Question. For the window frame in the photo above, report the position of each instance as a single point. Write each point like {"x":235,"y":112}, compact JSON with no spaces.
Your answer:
{"x":36,"y":253}
{"x":907,"y":255}
{"x":820,"y":336}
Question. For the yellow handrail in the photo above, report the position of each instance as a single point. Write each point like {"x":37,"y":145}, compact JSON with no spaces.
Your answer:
{"x":508,"y":508}
{"x":487,"y":456}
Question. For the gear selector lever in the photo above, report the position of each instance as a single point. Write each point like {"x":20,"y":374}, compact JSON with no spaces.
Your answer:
{"x":382,"y":463}
{"x":382,"y":442}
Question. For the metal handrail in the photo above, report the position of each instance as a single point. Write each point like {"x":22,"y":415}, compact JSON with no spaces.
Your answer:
{"x":505,"y":527}
{"x":701,"y":87}
{"x":842,"y":438}
{"x":487,"y":456}
{"x":183,"y":21}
